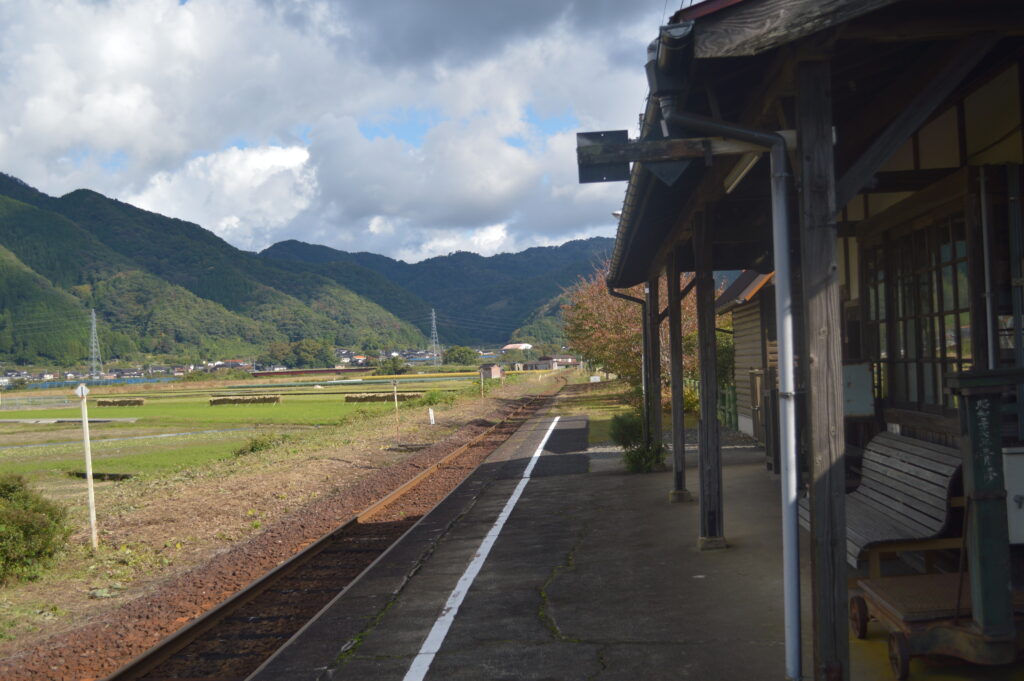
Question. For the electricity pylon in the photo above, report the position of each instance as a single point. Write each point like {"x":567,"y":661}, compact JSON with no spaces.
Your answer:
{"x":95,"y":362}
{"x":435,"y":346}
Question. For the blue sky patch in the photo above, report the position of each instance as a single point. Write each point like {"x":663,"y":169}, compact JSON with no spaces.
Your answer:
{"x":549,"y":125}
{"x":408,"y":125}
{"x":115,"y":162}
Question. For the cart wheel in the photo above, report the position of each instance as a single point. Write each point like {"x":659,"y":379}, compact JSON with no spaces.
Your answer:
{"x":899,"y":655}
{"x":859,"y":616}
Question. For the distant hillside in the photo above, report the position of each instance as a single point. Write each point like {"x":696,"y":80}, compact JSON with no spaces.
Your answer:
{"x":36,"y":318}
{"x":166,"y":286}
{"x":544,"y":326}
{"x":478,"y":299}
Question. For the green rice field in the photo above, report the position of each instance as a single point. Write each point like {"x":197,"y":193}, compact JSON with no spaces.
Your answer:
{"x":176,"y":428}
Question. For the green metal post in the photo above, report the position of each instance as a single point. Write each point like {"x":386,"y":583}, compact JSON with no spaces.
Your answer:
{"x":988,"y":542}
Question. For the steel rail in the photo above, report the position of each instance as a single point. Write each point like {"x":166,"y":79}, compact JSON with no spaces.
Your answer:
{"x":170,"y":645}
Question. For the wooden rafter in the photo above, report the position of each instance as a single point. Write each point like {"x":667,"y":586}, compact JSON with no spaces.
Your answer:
{"x":960,"y":62}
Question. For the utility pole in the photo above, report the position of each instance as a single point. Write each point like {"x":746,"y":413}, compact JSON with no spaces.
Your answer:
{"x":435,"y":346}
{"x":81,"y":392}
{"x":95,"y":362}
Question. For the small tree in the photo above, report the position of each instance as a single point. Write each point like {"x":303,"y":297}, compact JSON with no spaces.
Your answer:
{"x":460,"y":354}
{"x":392,"y":366}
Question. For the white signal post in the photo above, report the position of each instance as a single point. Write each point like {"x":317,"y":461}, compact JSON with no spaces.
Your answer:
{"x":398,"y":418}
{"x":82,"y":391}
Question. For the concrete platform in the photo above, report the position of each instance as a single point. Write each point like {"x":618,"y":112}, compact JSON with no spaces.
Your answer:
{"x":595,"y":575}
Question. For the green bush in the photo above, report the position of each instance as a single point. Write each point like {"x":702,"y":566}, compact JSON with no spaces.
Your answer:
{"x":691,"y":400}
{"x":32,"y":529}
{"x":432,"y":398}
{"x":627,"y":430}
{"x":640,"y":459}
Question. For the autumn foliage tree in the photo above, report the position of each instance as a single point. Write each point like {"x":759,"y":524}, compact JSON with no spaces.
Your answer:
{"x":608,"y":332}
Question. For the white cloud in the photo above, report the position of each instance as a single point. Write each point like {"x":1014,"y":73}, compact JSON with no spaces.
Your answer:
{"x":244,"y":115}
{"x":245,"y":196}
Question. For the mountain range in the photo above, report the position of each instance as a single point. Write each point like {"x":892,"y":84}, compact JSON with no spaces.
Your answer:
{"x":165,"y":287}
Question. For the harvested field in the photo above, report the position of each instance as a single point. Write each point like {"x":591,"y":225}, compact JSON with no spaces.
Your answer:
{"x":122,"y":402}
{"x":245,"y":399}
{"x":382,"y":397}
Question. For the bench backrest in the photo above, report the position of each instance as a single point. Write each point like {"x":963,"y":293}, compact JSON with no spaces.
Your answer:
{"x":910,"y":479}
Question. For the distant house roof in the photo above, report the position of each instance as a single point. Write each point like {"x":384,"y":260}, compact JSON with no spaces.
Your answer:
{"x":742,"y":290}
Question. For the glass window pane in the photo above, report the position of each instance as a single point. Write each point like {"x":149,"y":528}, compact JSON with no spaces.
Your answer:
{"x":924,"y":294}
{"x":945,"y":251}
{"x":949,"y":337}
{"x":928,"y":396}
{"x":912,"y":338}
{"x":883,"y":341}
{"x":966,"y":350}
{"x":881,"y":298}
{"x":948,"y":297}
{"x":899,"y":382}
{"x":963,"y":286}
{"x":959,"y":237}
{"x":928,"y":337}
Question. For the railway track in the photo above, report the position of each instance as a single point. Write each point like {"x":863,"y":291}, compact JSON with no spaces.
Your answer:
{"x":230,"y":641}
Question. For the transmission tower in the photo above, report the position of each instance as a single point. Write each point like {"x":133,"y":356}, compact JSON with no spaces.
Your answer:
{"x":95,"y":362}
{"x":435,"y":346}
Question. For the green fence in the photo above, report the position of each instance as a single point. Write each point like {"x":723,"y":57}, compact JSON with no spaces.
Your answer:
{"x":727,"y":414}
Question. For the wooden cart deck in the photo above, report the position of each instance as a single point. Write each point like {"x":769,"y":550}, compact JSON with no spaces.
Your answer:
{"x":920,"y":598}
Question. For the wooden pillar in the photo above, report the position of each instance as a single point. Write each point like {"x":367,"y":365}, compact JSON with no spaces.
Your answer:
{"x":654,"y":365}
{"x":822,"y":322}
{"x":675,"y":343}
{"x":709,"y":457}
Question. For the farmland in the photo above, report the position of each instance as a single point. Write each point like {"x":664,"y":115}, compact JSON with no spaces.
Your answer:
{"x":177,"y":428}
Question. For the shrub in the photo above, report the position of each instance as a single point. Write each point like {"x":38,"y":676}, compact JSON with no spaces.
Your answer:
{"x":691,"y":400}
{"x":32,"y":529}
{"x":261,"y":442}
{"x":432,"y":398}
{"x":640,"y":459}
{"x":627,"y":430}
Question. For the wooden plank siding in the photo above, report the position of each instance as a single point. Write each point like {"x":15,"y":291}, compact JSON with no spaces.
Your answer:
{"x":746,"y":324}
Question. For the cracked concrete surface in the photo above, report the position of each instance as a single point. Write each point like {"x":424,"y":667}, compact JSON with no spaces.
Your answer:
{"x":595,"y":576}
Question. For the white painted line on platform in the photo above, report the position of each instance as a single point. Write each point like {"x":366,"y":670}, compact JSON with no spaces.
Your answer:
{"x":421,"y":663}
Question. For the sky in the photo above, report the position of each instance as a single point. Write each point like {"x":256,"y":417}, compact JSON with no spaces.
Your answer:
{"x":409,"y":128}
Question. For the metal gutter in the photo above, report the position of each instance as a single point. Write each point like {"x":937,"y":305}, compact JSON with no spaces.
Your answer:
{"x":665,"y":89}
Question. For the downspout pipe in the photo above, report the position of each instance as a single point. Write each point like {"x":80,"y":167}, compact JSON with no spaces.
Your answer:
{"x":643,"y":358}
{"x":673,"y":116}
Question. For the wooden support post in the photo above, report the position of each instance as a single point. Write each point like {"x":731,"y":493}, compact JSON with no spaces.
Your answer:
{"x":654,"y":365}
{"x":824,"y":363}
{"x":709,"y":457}
{"x":675,"y":343}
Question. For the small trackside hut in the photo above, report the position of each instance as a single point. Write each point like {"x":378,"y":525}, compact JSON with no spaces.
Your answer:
{"x":862,"y":159}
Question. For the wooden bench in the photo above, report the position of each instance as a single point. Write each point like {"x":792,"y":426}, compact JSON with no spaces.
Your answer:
{"x":903,"y":501}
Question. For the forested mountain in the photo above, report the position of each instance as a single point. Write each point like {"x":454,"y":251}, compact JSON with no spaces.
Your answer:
{"x":166,"y":287}
{"x":478,"y":299}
